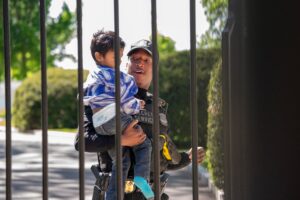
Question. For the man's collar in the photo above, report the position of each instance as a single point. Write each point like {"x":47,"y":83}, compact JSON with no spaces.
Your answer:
{"x":141,"y":94}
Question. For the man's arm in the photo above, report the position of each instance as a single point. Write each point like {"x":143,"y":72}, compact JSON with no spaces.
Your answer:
{"x":96,"y":143}
{"x":186,"y":158}
{"x":93,"y":141}
{"x":184,"y":161}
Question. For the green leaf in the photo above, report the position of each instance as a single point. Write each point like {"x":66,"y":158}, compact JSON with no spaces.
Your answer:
{"x":25,"y":37}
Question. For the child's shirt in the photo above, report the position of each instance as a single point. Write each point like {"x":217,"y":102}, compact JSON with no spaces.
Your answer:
{"x":100,"y":90}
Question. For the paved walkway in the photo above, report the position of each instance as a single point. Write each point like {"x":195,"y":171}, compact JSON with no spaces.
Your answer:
{"x":63,"y":170}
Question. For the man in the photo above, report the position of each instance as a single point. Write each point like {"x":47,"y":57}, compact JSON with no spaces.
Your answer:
{"x":140,"y":67}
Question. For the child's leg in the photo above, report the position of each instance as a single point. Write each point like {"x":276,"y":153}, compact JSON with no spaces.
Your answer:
{"x":111,"y":193}
{"x":142,"y":155}
{"x":109,"y":127}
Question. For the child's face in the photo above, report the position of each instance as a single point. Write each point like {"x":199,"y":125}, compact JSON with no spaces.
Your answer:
{"x":109,"y":58}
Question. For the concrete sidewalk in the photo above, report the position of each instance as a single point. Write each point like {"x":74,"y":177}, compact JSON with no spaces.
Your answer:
{"x":63,"y":173}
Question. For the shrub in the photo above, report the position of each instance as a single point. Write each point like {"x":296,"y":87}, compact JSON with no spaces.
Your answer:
{"x":175,"y":89}
{"x":215,"y":135}
{"x":62,"y":100}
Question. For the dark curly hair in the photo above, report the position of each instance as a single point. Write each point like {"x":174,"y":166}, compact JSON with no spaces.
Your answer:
{"x":103,"y":41}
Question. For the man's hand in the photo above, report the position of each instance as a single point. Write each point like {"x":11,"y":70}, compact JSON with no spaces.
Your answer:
{"x":133,"y":135}
{"x":200,"y":154}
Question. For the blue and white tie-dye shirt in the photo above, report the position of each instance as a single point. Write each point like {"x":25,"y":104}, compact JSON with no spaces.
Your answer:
{"x":100,"y":90}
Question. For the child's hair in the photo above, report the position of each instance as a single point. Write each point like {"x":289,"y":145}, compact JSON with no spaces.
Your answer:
{"x":103,"y":41}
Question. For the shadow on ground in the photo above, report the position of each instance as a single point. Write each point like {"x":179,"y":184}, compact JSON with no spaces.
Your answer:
{"x":63,"y":173}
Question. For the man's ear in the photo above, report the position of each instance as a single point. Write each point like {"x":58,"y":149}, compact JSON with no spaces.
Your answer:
{"x":99,"y":57}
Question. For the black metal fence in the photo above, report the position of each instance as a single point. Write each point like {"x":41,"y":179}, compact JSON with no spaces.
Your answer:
{"x":43,"y":55}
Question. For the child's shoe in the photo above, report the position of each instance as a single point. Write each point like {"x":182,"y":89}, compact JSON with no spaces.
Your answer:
{"x":143,"y":185}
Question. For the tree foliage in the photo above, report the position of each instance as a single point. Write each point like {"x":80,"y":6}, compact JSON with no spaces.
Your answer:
{"x":216,"y":15}
{"x":25,"y":36}
{"x":175,"y":89}
{"x":166,"y":45}
{"x":215,"y":127}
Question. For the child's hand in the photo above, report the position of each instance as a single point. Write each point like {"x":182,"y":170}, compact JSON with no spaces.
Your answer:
{"x":142,"y":103}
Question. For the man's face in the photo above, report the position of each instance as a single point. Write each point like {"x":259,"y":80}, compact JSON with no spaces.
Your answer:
{"x":140,"y":67}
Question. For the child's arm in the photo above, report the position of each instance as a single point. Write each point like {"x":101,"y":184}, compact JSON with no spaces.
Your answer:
{"x":133,"y":106}
{"x":100,"y":90}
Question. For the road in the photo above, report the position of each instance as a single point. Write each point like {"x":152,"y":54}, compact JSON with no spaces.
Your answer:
{"x":63,"y":170}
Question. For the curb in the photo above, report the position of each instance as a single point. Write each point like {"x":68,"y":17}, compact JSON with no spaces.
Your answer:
{"x":218,"y":193}
{"x":204,"y":180}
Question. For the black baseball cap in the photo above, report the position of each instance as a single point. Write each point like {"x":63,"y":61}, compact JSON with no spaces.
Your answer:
{"x":141,"y":44}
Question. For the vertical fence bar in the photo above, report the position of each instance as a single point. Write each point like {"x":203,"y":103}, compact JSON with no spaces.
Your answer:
{"x":155,"y":128}
{"x":193,"y":97}
{"x":118,"y":104}
{"x":44,"y":98}
{"x":7,"y":97}
{"x":80,"y":100}
{"x":226,"y":94}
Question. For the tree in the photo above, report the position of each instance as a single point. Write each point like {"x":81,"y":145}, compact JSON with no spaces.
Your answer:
{"x":216,"y":15}
{"x":165,"y":45}
{"x":25,"y":37}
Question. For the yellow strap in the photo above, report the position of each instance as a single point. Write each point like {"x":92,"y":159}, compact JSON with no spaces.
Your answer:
{"x":166,"y":152}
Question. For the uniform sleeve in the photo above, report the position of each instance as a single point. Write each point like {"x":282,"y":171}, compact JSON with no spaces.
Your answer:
{"x":185,"y":161}
{"x":93,"y":142}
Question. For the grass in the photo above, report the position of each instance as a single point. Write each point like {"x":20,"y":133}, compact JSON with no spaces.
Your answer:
{"x":2,"y":113}
{"x":2,"y":117}
{"x":2,"y":122}
{"x":67,"y":130}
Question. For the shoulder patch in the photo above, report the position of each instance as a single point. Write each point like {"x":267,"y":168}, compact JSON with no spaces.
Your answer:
{"x":163,"y":119}
{"x":162,"y":102}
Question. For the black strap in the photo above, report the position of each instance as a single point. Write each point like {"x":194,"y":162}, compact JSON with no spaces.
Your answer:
{"x":98,"y":157}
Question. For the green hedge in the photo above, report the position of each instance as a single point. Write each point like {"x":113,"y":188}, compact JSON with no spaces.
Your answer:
{"x":62,"y":100}
{"x":174,"y":85}
{"x":215,"y":139}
